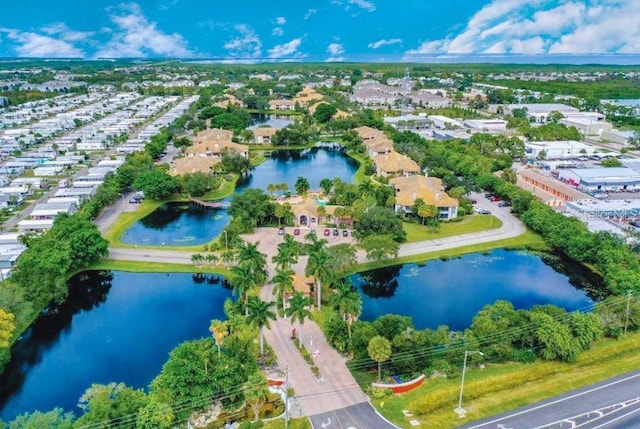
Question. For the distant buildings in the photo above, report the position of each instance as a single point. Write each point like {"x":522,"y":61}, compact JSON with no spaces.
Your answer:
{"x":601,"y":179}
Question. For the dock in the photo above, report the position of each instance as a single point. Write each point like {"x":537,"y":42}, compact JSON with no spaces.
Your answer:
{"x":210,"y":204}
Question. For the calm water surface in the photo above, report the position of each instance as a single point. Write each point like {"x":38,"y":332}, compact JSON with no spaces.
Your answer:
{"x":178,"y":224}
{"x":452,"y":292}
{"x":115,"y":327}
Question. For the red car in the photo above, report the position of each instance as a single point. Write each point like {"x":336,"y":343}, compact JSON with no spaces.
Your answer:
{"x":296,"y":231}
{"x":326,"y":232}
{"x":494,"y":199}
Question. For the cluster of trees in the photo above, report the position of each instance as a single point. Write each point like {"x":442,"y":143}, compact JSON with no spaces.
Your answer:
{"x":298,"y":134}
{"x":41,"y":272}
{"x":230,"y":118}
{"x":501,"y":332}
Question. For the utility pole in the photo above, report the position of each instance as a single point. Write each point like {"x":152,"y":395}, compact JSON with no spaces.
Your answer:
{"x":626,"y":313}
{"x":286,"y":398}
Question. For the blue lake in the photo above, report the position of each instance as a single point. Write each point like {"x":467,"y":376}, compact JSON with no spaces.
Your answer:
{"x":178,"y":224}
{"x":115,"y":327}
{"x":451,"y":292}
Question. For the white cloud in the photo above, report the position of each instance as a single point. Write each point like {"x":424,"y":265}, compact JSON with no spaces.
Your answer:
{"x":309,"y":13}
{"x":545,"y":26}
{"x":287,"y":50}
{"x":54,"y":40}
{"x":135,"y":36}
{"x":335,"y":48}
{"x":364,"y":4}
{"x":335,"y":51}
{"x":277,"y":31}
{"x":247,"y":44}
{"x":280,"y":20}
{"x":384,"y":42}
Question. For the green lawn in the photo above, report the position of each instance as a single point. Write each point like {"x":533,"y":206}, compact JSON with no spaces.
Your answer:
{"x":502,"y":387}
{"x":362,"y":159}
{"x":474,"y":223}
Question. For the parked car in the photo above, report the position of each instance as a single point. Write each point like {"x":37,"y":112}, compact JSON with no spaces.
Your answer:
{"x":504,"y":204}
{"x":135,"y":200}
{"x":494,"y":199}
{"x":327,"y":232}
{"x":483,"y":211}
{"x":635,"y":223}
{"x":488,"y":195}
{"x":296,"y":231}
{"x":345,"y":233}
{"x":336,"y":232}
{"x":281,"y":230}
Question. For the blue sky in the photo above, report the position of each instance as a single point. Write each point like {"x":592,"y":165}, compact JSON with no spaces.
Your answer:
{"x":317,"y":30}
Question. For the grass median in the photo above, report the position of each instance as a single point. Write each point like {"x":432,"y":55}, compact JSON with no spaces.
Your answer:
{"x":528,"y":240}
{"x":503,"y":387}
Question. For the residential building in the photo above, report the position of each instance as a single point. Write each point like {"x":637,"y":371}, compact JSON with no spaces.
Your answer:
{"x":395,"y":164}
{"x":430,"y":189}
{"x":263,"y":135}
{"x":282,"y":105}
{"x":192,"y":164}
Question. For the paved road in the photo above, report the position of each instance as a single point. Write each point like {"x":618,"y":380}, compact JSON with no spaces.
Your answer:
{"x":612,"y":404}
{"x":361,"y":416}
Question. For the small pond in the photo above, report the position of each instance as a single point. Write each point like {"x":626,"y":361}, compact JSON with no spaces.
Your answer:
{"x":451,"y":292}
{"x":184,"y":225}
{"x":177,"y":224}
{"x":276,"y":121}
{"x":115,"y":327}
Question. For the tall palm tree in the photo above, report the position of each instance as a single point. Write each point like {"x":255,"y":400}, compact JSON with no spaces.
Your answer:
{"x":259,"y":315}
{"x":283,"y":282}
{"x":242,"y":281}
{"x":317,"y":265}
{"x":250,"y":256}
{"x":288,"y":252}
{"x":367,"y":188}
{"x":348,"y":302}
{"x":298,"y":308}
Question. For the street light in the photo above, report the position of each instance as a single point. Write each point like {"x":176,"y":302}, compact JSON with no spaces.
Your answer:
{"x":460,"y":411}
{"x":122,"y":196}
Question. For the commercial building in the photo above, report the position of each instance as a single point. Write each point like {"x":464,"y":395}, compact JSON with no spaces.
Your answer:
{"x":540,"y":112}
{"x":548,"y":190}
{"x":601,"y":179}
{"x":593,"y":210}
{"x":487,"y":125}
{"x":558,"y":149}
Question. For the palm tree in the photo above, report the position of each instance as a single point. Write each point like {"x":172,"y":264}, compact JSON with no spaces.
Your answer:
{"x":288,"y":252}
{"x":228,"y":257}
{"x":348,"y":302}
{"x":242,"y":281}
{"x":298,"y":308}
{"x":317,"y":265}
{"x":219,"y":330}
{"x":367,"y":188}
{"x":283,"y":282}
{"x":255,"y":260}
{"x":259,"y":315}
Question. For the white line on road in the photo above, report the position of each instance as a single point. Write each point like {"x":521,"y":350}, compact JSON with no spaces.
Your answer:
{"x":557,"y":401}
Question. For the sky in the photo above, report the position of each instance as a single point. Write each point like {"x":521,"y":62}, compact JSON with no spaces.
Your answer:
{"x":316,"y":30}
